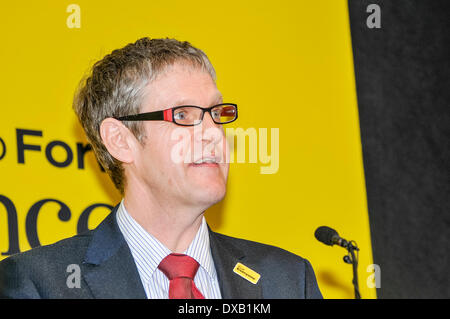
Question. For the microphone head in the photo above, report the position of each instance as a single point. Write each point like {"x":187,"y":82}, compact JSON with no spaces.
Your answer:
{"x":325,"y":235}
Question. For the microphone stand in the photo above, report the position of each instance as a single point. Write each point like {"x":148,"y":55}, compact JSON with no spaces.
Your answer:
{"x":352,"y":259}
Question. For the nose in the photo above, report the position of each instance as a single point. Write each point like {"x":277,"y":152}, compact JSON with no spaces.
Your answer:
{"x":210,"y":132}
{"x":208,"y":121}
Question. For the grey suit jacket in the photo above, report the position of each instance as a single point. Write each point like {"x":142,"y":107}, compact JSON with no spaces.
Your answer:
{"x":107,"y":269}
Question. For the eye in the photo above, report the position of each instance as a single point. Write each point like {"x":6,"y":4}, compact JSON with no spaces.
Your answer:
{"x":181,"y":115}
{"x":216,"y":113}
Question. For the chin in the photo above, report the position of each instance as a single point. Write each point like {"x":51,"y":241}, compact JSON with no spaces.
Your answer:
{"x":210,"y":194}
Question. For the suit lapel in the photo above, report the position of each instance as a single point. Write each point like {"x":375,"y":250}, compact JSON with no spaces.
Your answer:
{"x":109,"y":268}
{"x":226,"y":256}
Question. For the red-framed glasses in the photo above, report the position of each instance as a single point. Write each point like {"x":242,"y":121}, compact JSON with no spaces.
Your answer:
{"x":188,"y":115}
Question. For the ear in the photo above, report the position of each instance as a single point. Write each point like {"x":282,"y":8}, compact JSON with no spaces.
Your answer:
{"x":117,"y":138}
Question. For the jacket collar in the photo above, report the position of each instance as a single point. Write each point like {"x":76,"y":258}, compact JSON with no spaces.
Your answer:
{"x":109,"y":268}
{"x":226,"y":255}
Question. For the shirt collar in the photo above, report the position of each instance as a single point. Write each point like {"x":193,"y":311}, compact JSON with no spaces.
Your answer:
{"x":148,"y":252}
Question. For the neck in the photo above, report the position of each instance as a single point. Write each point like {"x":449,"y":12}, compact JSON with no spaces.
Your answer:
{"x":173,"y":225}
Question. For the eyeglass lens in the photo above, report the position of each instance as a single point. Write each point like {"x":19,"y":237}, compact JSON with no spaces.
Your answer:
{"x":189,"y":115}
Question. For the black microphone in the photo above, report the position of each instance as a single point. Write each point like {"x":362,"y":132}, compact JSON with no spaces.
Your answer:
{"x":330,"y":237}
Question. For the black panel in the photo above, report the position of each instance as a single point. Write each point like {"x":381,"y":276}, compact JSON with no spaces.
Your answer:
{"x":402,"y":78}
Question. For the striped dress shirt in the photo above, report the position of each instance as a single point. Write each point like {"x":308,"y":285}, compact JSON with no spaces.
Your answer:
{"x":148,"y":252}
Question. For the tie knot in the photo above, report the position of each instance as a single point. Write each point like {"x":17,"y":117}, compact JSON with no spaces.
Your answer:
{"x":179,"y":266}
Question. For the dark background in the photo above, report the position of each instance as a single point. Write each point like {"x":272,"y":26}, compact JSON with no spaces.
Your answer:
{"x":402,"y":80}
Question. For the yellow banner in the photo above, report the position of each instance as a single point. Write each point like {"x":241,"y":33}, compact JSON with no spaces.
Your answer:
{"x":287,"y":64}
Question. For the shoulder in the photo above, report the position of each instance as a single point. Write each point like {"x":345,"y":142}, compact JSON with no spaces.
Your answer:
{"x":278,"y":267}
{"x":72,"y":248}
{"x":256,"y":250}
{"x":22,"y":274}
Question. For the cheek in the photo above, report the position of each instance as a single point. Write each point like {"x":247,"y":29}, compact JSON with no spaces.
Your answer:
{"x":162,"y":148}
{"x":225,"y":168}
{"x":225,"y":148}
{"x":179,"y":146}
{"x":161,"y":171}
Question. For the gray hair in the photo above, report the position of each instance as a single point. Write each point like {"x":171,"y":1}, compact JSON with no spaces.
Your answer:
{"x":115,"y":87}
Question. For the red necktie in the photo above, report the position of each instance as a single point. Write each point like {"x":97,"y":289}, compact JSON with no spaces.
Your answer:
{"x":181,"y":270}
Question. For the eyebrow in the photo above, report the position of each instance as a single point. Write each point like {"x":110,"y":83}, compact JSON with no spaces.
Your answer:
{"x":218,"y":99}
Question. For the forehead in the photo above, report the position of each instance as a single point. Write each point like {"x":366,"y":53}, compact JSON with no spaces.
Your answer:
{"x":181,"y":84}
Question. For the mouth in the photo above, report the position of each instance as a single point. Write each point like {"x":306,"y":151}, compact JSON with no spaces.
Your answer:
{"x":209,"y":161}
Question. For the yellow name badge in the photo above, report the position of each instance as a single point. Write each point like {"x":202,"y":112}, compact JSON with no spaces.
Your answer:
{"x":246,"y":273}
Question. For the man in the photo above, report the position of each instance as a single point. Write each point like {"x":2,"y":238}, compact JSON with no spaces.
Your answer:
{"x":154,"y":117}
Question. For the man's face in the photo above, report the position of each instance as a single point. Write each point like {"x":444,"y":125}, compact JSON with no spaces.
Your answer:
{"x":165,"y":163}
